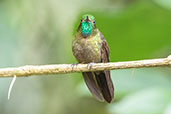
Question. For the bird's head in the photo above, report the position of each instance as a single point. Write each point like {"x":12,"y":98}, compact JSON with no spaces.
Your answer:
{"x":87,"y":25}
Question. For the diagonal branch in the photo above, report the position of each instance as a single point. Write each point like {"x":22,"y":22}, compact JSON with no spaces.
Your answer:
{"x":69,"y":68}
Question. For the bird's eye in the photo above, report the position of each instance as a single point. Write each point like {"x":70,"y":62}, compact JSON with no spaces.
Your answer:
{"x":81,"y":20}
{"x":94,"y":21}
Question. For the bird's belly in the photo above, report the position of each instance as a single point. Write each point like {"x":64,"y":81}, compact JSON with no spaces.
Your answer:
{"x":87,"y":51}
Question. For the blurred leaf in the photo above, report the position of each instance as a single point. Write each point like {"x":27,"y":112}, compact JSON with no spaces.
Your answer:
{"x":168,"y":109}
{"x":126,"y":82}
{"x":147,"y":101}
{"x":136,"y":32}
{"x":164,"y":3}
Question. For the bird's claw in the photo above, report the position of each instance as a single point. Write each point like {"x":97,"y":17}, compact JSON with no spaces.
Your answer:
{"x":74,"y":65}
{"x":89,"y":65}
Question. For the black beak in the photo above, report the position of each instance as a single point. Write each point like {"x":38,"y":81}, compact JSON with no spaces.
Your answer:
{"x":87,"y":19}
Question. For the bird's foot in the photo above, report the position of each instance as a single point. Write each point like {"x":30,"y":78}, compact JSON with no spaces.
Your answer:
{"x":74,"y":65}
{"x":89,"y":65}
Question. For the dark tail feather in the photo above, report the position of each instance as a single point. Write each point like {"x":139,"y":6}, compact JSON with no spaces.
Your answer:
{"x":105,"y":84}
{"x":90,"y":80}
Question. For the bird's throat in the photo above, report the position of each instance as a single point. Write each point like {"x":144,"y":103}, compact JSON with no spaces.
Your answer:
{"x":86,"y":29}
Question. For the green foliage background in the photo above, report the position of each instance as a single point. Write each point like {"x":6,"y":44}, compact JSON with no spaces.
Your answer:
{"x":41,"y":32}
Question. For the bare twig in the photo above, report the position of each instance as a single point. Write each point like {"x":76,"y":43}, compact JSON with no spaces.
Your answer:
{"x":68,"y":68}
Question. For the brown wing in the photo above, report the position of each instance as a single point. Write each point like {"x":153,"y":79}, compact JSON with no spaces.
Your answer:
{"x":103,"y":78}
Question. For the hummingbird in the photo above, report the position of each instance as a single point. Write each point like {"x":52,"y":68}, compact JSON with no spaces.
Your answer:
{"x":89,"y":46}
